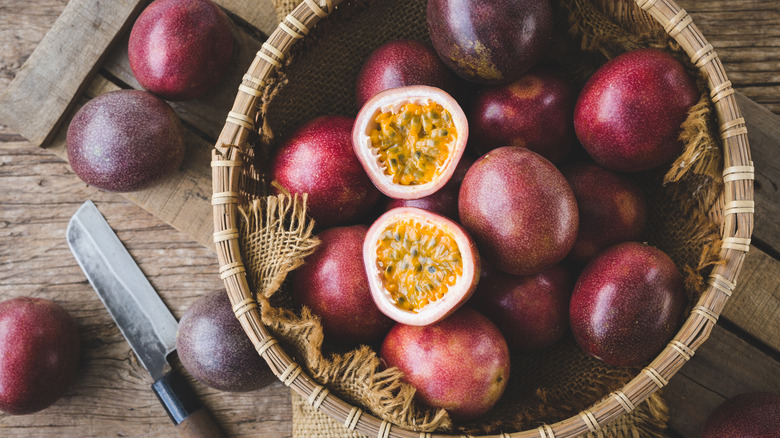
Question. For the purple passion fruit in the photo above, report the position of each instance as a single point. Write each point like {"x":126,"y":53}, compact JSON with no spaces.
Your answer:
{"x":629,"y":113}
{"x":399,"y":64}
{"x":39,"y":354}
{"x":410,"y":140}
{"x":214,"y":348}
{"x":318,"y":159}
{"x":180,"y":49}
{"x":531,"y":311}
{"x":421,"y":266}
{"x":332,"y":283}
{"x":627,"y":304}
{"x":612,"y":209}
{"x":490,"y":41}
{"x":125,"y":140}
{"x":460,"y":364}
{"x":752,"y":414}
{"x":519,"y":209}
{"x":535,"y":111}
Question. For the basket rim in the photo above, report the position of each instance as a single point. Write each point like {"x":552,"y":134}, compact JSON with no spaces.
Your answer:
{"x":736,"y":208}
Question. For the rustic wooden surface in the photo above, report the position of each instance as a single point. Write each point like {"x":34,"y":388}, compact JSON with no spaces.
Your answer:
{"x":111,"y":397}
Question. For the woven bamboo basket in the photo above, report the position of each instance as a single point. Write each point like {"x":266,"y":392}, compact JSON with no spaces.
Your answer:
{"x":733,"y":212}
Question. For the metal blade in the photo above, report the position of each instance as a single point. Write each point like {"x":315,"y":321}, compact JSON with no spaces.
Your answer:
{"x":141,"y":315}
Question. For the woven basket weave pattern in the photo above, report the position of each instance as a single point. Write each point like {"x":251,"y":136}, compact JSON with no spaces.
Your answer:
{"x":734,"y":213}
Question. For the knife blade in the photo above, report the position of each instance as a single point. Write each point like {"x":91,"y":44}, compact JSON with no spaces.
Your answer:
{"x":139,"y":312}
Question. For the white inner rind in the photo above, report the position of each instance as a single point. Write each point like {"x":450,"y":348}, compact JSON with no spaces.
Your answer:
{"x":435,"y":309}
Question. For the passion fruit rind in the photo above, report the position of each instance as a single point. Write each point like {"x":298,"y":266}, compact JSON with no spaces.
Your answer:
{"x":410,"y":139}
{"x":421,"y":266}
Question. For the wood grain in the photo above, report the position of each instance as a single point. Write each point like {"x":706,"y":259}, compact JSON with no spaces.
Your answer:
{"x":34,"y":103}
{"x":764,"y":134}
{"x":723,"y":367}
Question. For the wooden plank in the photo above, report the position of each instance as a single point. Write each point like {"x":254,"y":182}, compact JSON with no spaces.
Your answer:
{"x":746,"y":35}
{"x":261,"y":14}
{"x":755,"y":305}
{"x":57,"y":71}
{"x":764,"y":135}
{"x":723,"y":367}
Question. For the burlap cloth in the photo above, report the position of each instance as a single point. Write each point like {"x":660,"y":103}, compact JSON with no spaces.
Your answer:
{"x":318,"y":78}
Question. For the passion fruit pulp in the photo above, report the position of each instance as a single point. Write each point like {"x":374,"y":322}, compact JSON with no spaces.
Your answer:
{"x":410,"y":139}
{"x":421,"y":266}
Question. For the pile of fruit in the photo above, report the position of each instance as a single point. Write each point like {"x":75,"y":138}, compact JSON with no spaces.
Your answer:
{"x":478,"y":205}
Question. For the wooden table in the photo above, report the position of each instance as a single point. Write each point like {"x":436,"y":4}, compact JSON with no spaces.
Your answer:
{"x":111,"y":396}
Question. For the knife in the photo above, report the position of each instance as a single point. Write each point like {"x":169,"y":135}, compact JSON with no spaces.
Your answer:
{"x":141,"y":315}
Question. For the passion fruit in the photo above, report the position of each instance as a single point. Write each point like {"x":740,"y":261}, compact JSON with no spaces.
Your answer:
{"x":520,"y":210}
{"x":490,"y":41}
{"x":410,"y":140}
{"x":400,"y":63}
{"x":421,"y":266}
{"x":460,"y":364}
{"x":318,"y":159}
{"x":333,"y":284}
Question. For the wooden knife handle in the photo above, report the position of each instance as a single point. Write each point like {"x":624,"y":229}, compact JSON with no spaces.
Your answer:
{"x":191,"y":418}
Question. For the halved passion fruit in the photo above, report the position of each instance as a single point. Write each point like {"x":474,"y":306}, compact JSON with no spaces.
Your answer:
{"x":421,"y":266}
{"x":410,"y":139}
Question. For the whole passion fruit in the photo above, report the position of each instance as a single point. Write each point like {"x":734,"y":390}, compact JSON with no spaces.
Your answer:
{"x":612,"y":209}
{"x":318,"y":159}
{"x":333,"y":284}
{"x":629,"y":113}
{"x":627,"y":304}
{"x":410,"y":140}
{"x":520,"y":210}
{"x":460,"y":364}
{"x":421,"y":266}
{"x":490,"y":41}
{"x":401,"y":63}
{"x":535,"y":111}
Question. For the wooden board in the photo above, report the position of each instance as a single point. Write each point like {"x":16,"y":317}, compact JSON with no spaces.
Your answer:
{"x":35,"y":103}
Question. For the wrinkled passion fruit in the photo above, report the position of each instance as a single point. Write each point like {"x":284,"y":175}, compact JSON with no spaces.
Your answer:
{"x":410,"y":139}
{"x":421,"y":266}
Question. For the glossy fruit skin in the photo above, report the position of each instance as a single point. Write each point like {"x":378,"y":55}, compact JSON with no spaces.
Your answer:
{"x":394,"y":98}
{"x":457,"y":294}
{"x":748,"y":415}
{"x":180,"y":49}
{"x":214,"y":348}
{"x":39,"y":354}
{"x":524,"y":229}
{"x":332,"y":283}
{"x":629,"y":113}
{"x":401,"y":63}
{"x":627,"y":304}
{"x":490,"y":41}
{"x":318,"y":159}
{"x":444,"y":201}
{"x":460,"y":363}
{"x":612,"y":209}
{"x":536,"y":111}
{"x":531,"y":311}
{"x":124,"y":141}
